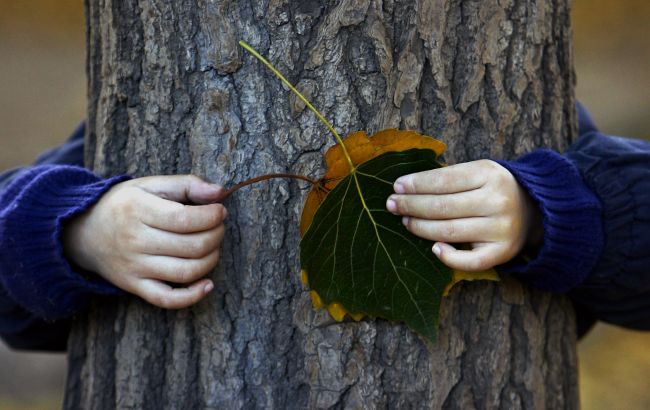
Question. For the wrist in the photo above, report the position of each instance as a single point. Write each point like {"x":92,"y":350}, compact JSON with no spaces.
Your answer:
{"x":75,"y":243}
{"x":566,"y":247}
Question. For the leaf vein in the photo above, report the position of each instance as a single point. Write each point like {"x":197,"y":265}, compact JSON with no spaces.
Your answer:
{"x":390,"y":259}
{"x":336,"y":237}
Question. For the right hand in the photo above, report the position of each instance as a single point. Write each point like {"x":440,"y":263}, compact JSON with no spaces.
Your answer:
{"x":479,"y":203}
{"x":140,"y":236}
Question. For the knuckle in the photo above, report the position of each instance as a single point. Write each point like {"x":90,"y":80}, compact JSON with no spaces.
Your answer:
{"x":123,"y":204}
{"x":192,"y":178}
{"x":442,"y":179}
{"x":488,"y":165}
{"x":450,"y":230}
{"x":207,"y":216}
{"x":140,"y":270}
{"x":202,"y":246}
{"x":502,"y":202}
{"x":191,"y":248}
{"x":501,"y":227}
{"x":136,"y":242}
{"x":219,"y":234}
{"x":209,"y":263}
{"x":503,"y":257}
{"x":214,"y":216}
{"x":442,"y":207}
{"x":181,"y":276}
{"x":511,"y":226}
{"x":402,"y":204}
{"x":180,"y":215}
{"x":502,"y":179}
{"x":472,"y":262}
{"x":185,"y":275}
{"x":411,"y":184}
{"x":478,"y":263}
{"x":162,"y":300}
{"x":219,"y":212}
{"x":501,"y":175}
{"x":498,"y":202}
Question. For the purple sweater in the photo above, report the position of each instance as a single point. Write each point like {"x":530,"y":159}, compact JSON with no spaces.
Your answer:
{"x":39,"y":290}
{"x":595,"y":202}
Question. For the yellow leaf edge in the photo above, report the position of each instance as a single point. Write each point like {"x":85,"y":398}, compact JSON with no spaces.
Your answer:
{"x":338,"y":312}
{"x":335,"y":309}
{"x":459,"y":276}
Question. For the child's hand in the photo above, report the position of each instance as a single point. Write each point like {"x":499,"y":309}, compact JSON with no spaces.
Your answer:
{"x":479,"y":203}
{"x":140,"y":235}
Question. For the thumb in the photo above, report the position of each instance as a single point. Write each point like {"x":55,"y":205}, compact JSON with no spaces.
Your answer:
{"x":480,"y":258}
{"x":186,"y":189}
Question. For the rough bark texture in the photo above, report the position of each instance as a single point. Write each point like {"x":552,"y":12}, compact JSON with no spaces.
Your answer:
{"x":170,"y":92}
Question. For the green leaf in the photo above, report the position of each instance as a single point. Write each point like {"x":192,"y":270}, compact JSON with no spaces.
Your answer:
{"x":359,"y":255}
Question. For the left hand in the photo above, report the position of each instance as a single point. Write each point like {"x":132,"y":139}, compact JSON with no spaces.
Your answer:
{"x":477,"y":202}
{"x":143,"y":235}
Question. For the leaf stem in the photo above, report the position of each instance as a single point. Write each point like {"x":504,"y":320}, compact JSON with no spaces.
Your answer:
{"x":322,"y":119}
{"x":253,"y":180}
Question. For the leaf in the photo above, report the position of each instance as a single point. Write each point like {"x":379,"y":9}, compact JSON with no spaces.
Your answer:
{"x":460,"y":276}
{"x":357,"y":257}
{"x":362,"y":148}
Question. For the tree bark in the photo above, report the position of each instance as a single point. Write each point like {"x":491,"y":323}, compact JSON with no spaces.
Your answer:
{"x":171,"y":92}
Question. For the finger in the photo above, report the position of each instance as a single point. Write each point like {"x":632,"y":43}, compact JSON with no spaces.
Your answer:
{"x":186,"y":189}
{"x":192,"y":245}
{"x":175,"y":217}
{"x":178,"y":270}
{"x":447,"y":180}
{"x":478,"y":259}
{"x":448,"y":206}
{"x":454,"y":230}
{"x":162,"y":295}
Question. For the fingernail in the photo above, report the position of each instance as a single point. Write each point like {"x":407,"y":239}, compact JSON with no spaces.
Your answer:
{"x":225,"y":213}
{"x":437,"y":250}
{"x":405,"y":220}
{"x":398,"y":186}
{"x":391,"y":205}
{"x":208,"y":287}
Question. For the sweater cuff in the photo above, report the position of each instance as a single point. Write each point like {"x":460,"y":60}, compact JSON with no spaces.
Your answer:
{"x":571,"y":215}
{"x":33,"y":268}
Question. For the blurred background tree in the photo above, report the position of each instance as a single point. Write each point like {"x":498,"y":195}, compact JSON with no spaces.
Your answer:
{"x":43,"y":97}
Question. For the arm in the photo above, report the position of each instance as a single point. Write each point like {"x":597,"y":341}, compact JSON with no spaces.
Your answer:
{"x":609,"y":254}
{"x":589,"y":207}
{"x":67,"y":234}
{"x":618,"y":171}
{"x":20,"y":327}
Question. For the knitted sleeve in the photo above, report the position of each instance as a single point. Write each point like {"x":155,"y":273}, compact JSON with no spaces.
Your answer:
{"x":571,"y":215}
{"x":39,"y":290}
{"x":595,"y":203}
{"x":33,"y":270}
{"x":617,"y":170}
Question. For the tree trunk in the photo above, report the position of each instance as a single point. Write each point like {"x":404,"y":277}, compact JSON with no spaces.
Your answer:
{"x":170,"y":91}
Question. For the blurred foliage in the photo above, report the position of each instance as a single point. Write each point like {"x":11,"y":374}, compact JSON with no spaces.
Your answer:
{"x":40,"y":402}
{"x":612,"y":62}
{"x":42,"y":76}
{"x":43,"y":96}
{"x":615,"y":369}
{"x":59,"y":18}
